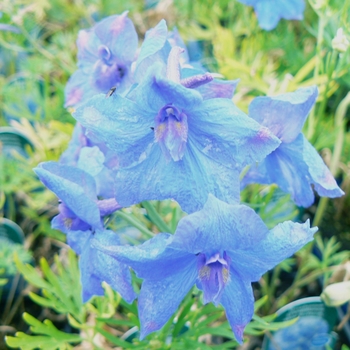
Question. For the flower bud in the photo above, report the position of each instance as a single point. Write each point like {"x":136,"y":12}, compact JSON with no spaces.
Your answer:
{"x":336,"y":294}
{"x":340,"y":42}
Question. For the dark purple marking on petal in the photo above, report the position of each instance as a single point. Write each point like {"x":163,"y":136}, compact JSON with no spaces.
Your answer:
{"x":70,"y":220}
{"x":171,"y":130}
{"x":108,"y":74}
{"x":197,"y":80}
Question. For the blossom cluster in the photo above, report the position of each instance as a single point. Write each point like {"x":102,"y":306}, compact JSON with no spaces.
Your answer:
{"x":152,"y":125}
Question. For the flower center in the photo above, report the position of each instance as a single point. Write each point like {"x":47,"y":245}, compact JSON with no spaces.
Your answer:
{"x":107,"y":72}
{"x":171,"y":131}
{"x":213,"y":274}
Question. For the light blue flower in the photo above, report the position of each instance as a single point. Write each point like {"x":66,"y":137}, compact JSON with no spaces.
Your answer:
{"x":295,"y":165}
{"x":222,"y":249}
{"x":269,"y":12}
{"x":171,"y":143}
{"x":80,"y":219}
{"x":105,"y":54}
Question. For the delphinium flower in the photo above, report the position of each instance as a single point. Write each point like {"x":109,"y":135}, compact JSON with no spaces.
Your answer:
{"x":80,"y":218}
{"x":222,"y":249}
{"x":295,"y":165}
{"x":171,"y":143}
{"x":105,"y":54}
{"x":269,"y":12}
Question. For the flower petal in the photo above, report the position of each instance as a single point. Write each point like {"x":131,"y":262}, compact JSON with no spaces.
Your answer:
{"x":217,"y":227}
{"x":160,"y":297}
{"x":284,"y":114}
{"x":119,"y":123}
{"x":74,"y":187}
{"x":238,"y":301}
{"x":280,"y":243}
{"x":188,"y":181}
{"x":224,"y":133}
{"x":321,"y":176}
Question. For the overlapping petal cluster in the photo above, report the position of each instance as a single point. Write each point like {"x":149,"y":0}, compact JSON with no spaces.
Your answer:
{"x":159,"y":127}
{"x":270,"y":12}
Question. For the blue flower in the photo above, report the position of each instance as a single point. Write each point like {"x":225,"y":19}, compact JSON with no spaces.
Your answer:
{"x":105,"y":54}
{"x":269,"y":12}
{"x":171,"y":143}
{"x":295,"y":165}
{"x":222,"y":248}
{"x":80,"y":219}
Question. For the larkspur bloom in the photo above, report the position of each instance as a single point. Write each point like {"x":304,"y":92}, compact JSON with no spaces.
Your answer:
{"x":80,"y":219}
{"x":105,"y":54}
{"x":295,"y":165}
{"x":222,"y":248}
{"x":269,"y":12}
{"x":171,"y":143}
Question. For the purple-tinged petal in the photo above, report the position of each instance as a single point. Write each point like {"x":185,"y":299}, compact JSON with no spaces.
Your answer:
{"x":118,"y":33}
{"x":238,"y":301}
{"x":196,"y":81}
{"x":160,"y":298}
{"x":219,"y":226}
{"x":173,"y":64}
{"x":231,"y":137}
{"x":77,"y":90}
{"x":284,"y":114}
{"x":218,"y":89}
{"x":280,"y":243}
{"x":74,"y":187}
{"x":108,"y":206}
{"x":320,"y":175}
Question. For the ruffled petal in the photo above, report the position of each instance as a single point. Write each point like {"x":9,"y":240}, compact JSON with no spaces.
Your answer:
{"x":284,"y":114}
{"x":225,"y":134}
{"x":238,"y":301}
{"x":74,"y":187}
{"x":188,"y":181}
{"x":218,"y":227}
{"x":160,"y":298}
{"x":280,"y":243}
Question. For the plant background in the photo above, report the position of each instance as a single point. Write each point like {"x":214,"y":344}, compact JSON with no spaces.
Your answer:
{"x":42,"y":300}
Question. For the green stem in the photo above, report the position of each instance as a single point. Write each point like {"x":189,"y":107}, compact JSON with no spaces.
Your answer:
{"x":320,"y":34}
{"x":330,"y":69}
{"x":155,"y":217}
{"x":136,"y":223}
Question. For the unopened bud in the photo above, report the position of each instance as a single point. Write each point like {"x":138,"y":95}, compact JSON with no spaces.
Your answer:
{"x":340,"y":42}
{"x":336,"y":294}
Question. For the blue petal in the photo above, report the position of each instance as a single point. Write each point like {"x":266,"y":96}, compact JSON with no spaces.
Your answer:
{"x":97,"y":267}
{"x":280,"y":243}
{"x":188,"y":181}
{"x":321,"y":177}
{"x":74,"y":187}
{"x":118,"y":33}
{"x":91,"y":160}
{"x":150,"y":260}
{"x":160,"y":297}
{"x":218,"y":227}
{"x":121,"y":124}
{"x":284,"y":114}
{"x":224,"y":133}
{"x":238,"y":301}
{"x":155,"y":48}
